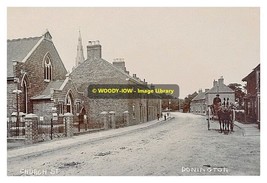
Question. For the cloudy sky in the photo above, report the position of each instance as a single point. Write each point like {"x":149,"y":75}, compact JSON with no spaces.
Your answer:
{"x":185,"y":46}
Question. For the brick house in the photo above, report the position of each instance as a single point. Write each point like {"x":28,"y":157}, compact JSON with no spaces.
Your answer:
{"x":95,"y":70}
{"x":252,"y":98}
{"x":35,"y":69}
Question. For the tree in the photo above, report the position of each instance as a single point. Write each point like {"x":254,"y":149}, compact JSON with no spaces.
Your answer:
{"x":239,"y":94}
{"x":187,"y":101}
{"x":171,"y":103}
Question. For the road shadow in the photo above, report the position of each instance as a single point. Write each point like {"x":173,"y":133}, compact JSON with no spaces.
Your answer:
{"x":223,"y":132}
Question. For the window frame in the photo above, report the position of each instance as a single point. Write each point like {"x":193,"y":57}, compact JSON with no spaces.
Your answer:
{"x":47,"y":68}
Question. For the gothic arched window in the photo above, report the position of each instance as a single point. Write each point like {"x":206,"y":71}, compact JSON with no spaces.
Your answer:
{"x":69,"y":103}
{"x":47,"y":68}
{"x":24,"y":95}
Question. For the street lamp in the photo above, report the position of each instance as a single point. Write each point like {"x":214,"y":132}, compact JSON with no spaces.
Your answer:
{"x":140,"y":111}
{"x":54,"y":118}
{"x":133,"y":112}
{"x":17,"y":92}
{"x":178,"y":104}
{"x":85,"y":121}
{"x":13,"y":121}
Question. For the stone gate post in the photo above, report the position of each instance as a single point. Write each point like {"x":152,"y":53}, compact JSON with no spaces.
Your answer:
{"x":112,"y":119}
{"x":31,"y":128}
{"x":126,"y":118}
{"x":61,"y":128}
{"x":104,"y":119}
{"x":68,"y":118}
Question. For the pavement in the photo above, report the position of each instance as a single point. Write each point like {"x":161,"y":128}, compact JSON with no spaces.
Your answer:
{"x":248,"y":129}
{"x":61,"y":144}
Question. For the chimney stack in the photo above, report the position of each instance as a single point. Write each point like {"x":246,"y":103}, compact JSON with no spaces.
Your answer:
{"x":93,"y":50}
{"x":119,"y":63}
{"x":215,"y":83}
{"x":221,"y":81}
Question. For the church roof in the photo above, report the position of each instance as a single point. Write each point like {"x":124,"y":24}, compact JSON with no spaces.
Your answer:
{"x":46,"y":92}
{"x":222,"y":88}
{"x":18,"y":49}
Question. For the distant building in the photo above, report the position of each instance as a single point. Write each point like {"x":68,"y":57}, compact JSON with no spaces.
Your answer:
{"x":252,"y":98}
{"x":198,"y":104}
{"x":226,"y":94}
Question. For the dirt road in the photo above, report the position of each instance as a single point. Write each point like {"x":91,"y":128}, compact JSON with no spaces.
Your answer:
{"x":182,"y":146}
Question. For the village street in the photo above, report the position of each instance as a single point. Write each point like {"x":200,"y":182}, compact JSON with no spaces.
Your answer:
{"x":180,"y":146}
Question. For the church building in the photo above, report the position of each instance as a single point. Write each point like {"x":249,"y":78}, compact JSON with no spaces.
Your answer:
{"x":38,"y":82}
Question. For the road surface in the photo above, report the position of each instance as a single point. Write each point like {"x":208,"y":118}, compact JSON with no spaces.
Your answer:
{"x":181,"y":146}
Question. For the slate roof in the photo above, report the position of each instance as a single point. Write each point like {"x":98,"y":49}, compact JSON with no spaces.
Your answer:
{"x":221,"y":89}
{"x":46,"y":92}
{"x":251,"y":73}
{"x":200,"y":96}
{"x":108,"y":63}
{"x":17,"y":49}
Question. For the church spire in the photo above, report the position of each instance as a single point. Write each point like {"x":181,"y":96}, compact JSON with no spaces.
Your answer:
{"x":80,"y":56}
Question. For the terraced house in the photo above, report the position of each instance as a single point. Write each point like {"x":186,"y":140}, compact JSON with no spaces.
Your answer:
{"x":198,"y":104}
{"x":120,"y":112}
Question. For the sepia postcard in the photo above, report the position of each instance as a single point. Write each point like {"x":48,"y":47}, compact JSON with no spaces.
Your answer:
{"x":124,"y":91}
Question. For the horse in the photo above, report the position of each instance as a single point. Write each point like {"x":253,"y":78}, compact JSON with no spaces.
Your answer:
{"x":224,"y":116}
{"x":225,"y":119}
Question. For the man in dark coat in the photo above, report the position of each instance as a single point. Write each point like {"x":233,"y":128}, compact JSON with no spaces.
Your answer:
{"x":216,"y":103}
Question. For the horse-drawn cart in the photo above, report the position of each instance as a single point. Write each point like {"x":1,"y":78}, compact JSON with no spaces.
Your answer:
{"x":223,"y":112}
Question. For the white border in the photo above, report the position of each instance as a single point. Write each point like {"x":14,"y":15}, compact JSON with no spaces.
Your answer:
{"x":135,"y":3}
